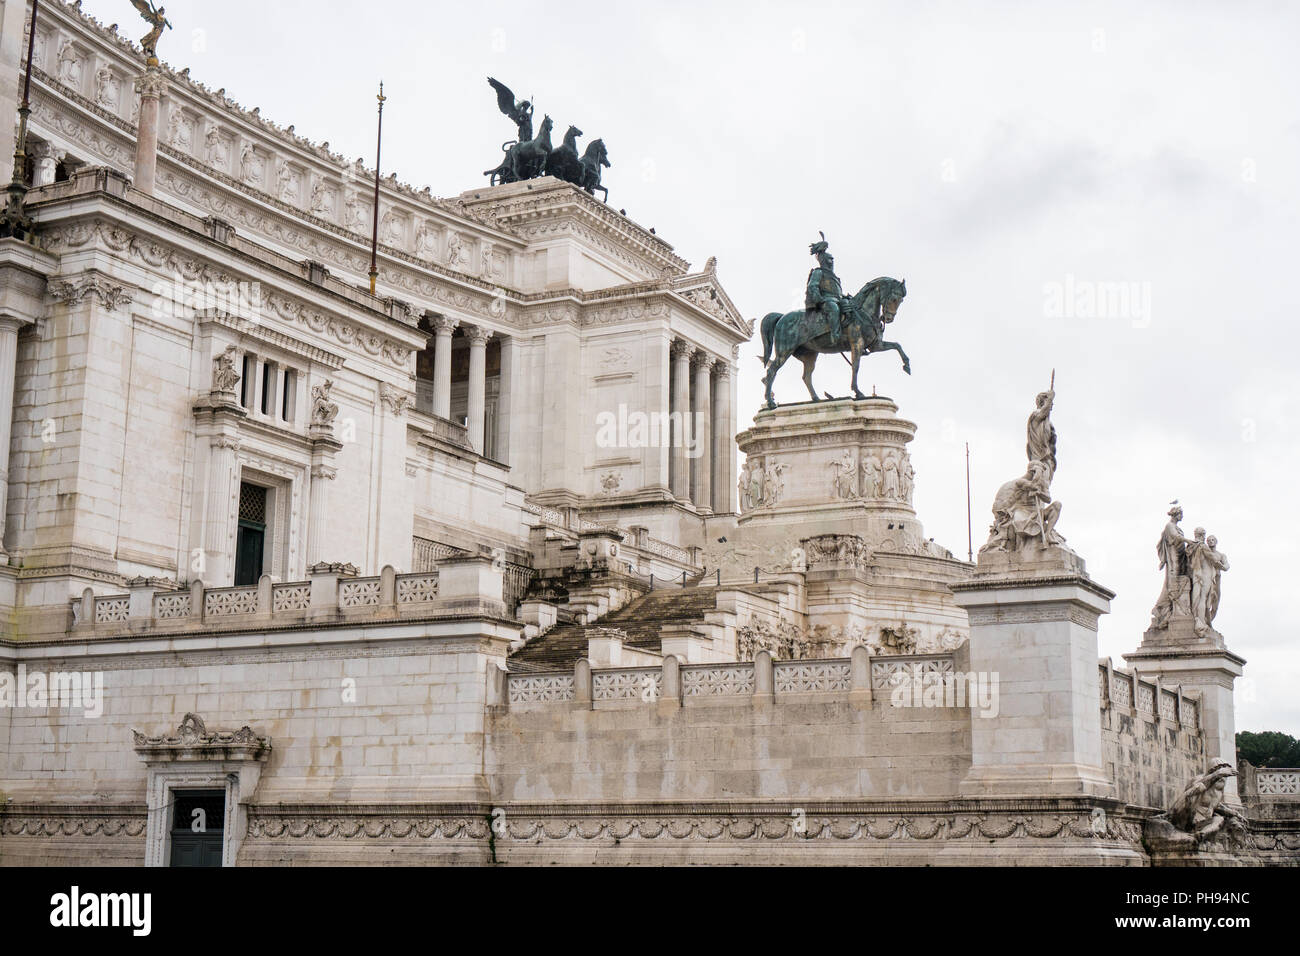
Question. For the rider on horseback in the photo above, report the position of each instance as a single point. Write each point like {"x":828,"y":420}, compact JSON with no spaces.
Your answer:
{"x":824,"y":292}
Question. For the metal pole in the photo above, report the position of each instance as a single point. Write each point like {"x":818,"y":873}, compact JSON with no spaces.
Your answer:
{"x":970,"y":543}
{"x":374,"y":233}
{"x":15,"y":222}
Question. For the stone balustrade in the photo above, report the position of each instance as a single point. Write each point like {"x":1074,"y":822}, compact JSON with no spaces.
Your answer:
{"x":1275,"y":783}
{"x":1147,"y":697}
{"x":469,"y":585}
{"x":762,"y":677}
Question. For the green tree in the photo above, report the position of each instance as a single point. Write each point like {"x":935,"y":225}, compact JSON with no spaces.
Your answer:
{"x":1268,"y":749}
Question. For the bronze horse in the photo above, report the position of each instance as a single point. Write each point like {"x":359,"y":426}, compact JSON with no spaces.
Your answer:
{"x":805,"y":335}
{"x":524,"y":160}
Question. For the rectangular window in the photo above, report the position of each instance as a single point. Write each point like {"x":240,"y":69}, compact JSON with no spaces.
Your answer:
{"x":246,"y":381}
{"x":290,"y":393}
{"x":268,"y":388}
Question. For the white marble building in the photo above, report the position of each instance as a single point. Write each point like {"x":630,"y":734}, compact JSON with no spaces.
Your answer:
{"x":382,"y":577}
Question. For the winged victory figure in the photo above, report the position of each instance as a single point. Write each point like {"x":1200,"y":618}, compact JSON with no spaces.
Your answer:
{"x":156,"y":18}
{"x":520,"y":112}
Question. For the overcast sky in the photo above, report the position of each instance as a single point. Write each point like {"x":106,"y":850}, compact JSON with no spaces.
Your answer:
{"x":999,"y":157}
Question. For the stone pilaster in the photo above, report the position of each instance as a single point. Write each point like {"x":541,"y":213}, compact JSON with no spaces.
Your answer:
{"x":699,"y":430}
{"x":323,"y":472}
{"x":679,"y":473}
{"x":724,"y":454}
{"x":506,"y":402}
{"x":150,"y":85}
{"x":477,"y":390}
{"x":442,"y":329}
{"x":1034,"y":626}
{"x":9,"y":326}
{"x":218,"y":548}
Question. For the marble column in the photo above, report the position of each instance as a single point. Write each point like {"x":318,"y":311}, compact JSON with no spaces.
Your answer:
{"x":150,"y":86}
{"x":477,"y":385}
{"x":723,"y":455}
{"x":8,"y":363}
{"x":47,"y":158}
{"x":218,"y":548}
{"x":701,"y":446}
{"x":679,"y":472}
{"x":442,"y":329}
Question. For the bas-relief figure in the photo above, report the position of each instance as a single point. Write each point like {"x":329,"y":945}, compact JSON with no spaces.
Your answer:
{"x":871,"y":476}
{"x":831,"y":322}
{"x":846,"y":475}
{"x":217,"y":153}
{"x":890,"y":469}
{"x":107,"y":89}
{"x":252,"y":167}
{"x":179,"y":131}
{"x":322,"y":198}
{"x":457,"y":254}
{"x":426,"y":241}
{"x":1193,"y":570}
{"x":70,"y":65}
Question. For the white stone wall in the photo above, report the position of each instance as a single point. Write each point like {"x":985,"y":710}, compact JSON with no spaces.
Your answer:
{"x":415,"y":731}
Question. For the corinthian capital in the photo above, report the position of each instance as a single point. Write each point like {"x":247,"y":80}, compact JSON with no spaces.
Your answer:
{"x":443,"y":324}
{"x":477,"y":335}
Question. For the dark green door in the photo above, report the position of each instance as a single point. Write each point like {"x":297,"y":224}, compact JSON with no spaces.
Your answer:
{"x":249,"y":548}
{"x":198,"y":827}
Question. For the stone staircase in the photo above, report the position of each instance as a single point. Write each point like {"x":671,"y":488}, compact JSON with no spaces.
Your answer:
{"x":644,"y":620}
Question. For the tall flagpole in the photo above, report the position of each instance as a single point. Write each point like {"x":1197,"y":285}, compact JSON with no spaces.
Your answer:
{"x":970,"y":544}
{"x":374,"y":232}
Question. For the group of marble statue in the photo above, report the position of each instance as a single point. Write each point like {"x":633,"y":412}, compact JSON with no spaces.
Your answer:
{"x":1024,"y":514}
{"x":892,"y":477}
{"x":1193,"y":571}
{"x":528,"y":156}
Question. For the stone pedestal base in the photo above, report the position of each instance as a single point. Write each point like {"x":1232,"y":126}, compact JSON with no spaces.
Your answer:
{"x":1034,"y":626}
{"x":1203,"y":667}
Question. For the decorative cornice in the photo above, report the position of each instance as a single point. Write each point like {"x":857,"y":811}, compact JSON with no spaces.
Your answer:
{"x":193,"y":741}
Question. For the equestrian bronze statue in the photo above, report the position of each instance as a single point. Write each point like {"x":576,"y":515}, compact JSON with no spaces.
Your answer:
{"x":832,"y":322}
